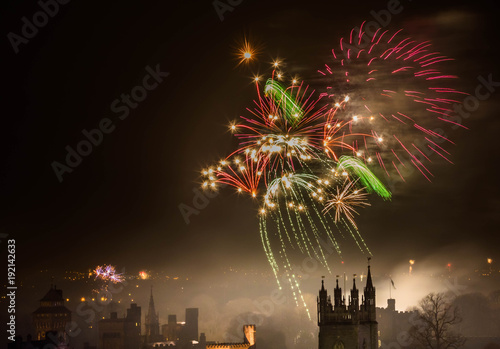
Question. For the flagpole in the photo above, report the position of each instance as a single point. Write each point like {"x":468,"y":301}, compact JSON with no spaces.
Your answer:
{"x":344,"y":288}
{"x":390,"y":289}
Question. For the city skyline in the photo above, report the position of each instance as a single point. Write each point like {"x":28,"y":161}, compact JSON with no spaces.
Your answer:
{"x":458,"y":202}
{"x":245,"y":298}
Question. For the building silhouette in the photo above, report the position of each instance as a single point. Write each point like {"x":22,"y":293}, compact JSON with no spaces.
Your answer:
{"x":186,"y":331}
{"x":191,"y":327}
{"x":184,"y":335}
{"x":344,"y":325}
{"x":121,"y":333}
{"x":52,"y":316}
{"x":172,"y":330}
{"x":248,"y":340}
{"x":394,"y":325}
{"x":152,"y":322}
{"x":51,"y":341}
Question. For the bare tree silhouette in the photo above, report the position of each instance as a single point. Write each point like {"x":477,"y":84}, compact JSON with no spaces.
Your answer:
{"x":436,"y":316}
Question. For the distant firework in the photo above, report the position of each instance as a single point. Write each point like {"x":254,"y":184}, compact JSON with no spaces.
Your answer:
{"x":108,"y":273}
{"x":143,"y":275}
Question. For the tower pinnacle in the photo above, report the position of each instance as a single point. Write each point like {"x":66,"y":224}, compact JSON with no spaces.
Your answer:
{"x":369,"y":283}
{"x":351,"y":324}
{"x":152,"y":323}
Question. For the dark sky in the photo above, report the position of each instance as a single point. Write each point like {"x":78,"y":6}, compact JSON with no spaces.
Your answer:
{"x":120,"y":205}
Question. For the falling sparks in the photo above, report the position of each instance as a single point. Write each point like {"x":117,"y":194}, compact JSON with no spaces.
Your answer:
{"x":282,"y":156}
{"x":401,"y":96}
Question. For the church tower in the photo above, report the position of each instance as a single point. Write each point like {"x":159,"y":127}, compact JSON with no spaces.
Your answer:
{"x":348,"y":326}
{"x":152,"y":323}
{"x":368,"y":317}
{"x":52,"y":315}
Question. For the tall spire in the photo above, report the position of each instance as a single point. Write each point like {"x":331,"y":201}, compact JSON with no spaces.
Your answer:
{"x":337,"y":295}
{"x":322,"y":291}
{"x":151,"y":302}
{"x":152,"y":324}
{"x":370,"y":297}
{"x":369,"y":283}
{"x":354,"y":303}
{"x":322,"y":302}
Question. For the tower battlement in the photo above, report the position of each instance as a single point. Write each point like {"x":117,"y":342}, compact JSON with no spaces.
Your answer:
{"x":348,"y":324}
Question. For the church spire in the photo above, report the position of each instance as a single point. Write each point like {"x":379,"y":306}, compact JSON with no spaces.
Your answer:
{"x":337,"y":295}
{"x":152,"y":323}
{"x":369,"y":283}
{"x":354,"y":303}
{"x":151,"y":302}
{"x":369,"y":303}
{"x":322,"y":302}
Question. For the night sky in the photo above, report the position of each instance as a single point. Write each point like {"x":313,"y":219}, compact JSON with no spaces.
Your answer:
{"x":120,"y":205}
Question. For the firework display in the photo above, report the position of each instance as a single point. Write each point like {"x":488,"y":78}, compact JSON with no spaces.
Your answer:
{"x":306,"y":157}
{"x":108,"y":273}
{"x":397,"y":89}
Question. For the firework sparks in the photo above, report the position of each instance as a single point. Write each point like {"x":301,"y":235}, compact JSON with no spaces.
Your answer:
{"x":366,"y":177}
{"x":310,"y":156}
{"x":108,"y":273}
{"x":396,"y":89}
{"x":283,"y":153}
{"x":345,"y":200}
{"x":246,"y":53}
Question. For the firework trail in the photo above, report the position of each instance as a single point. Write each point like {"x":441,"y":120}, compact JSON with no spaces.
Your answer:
{"x":290,"y":156}
{"x":397,"y":95}
{"x":356,"y":167}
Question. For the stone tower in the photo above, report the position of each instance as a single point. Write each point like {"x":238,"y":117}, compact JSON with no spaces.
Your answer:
{"x":351,"y":325}
{"x":249,"y":331}
{"x":152,"y":322}
{"x":52,"y":315}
